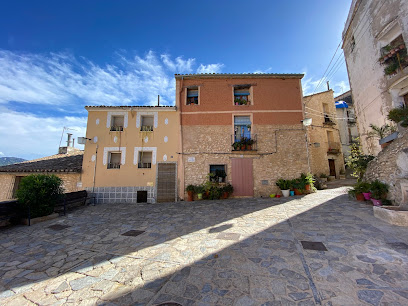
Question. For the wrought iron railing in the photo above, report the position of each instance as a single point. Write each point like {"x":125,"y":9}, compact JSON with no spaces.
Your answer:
{"x":242,"y":143}
{"x":144,"y":165}
{"x":146,"y":128}
{"x":116,"y":128}
{"x":114,"y":166}
{"x":333,"y":147}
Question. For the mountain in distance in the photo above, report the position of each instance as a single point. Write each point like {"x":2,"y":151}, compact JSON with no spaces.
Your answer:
{"x":4,"y":161}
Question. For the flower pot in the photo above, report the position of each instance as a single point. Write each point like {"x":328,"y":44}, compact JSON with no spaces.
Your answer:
{"x":249,"y":147}
{"x":298,"y":192}
{"x":359,"y":197}
{"x":278,"y":196}
{"x":200,"y":196}
{"x":190,"y":197}
{"x":307,"y":187}
{"x":292,"y":193}
{"x":224,"y":195}
{"x":272,"y":195}
{"x":376,"y":202}
{"x":367,"y":196}
{"x":286,"y":193}
{"x":243,"y":148}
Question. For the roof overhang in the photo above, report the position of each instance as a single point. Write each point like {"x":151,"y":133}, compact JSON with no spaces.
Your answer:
{"x":241,"y":76}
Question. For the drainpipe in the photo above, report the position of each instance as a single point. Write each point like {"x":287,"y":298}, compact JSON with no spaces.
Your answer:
{"x":94,"y":175}
{"x":181,"y":142}
{"x":307,"y":150}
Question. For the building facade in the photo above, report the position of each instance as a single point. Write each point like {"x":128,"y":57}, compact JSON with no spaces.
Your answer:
{"x":131,"y":153}
{"x":66,"y":165}
{"x":374,"y":45}
{"x":323,"y":134}
{"x":246,"y":125}
{"x":346,"y":120}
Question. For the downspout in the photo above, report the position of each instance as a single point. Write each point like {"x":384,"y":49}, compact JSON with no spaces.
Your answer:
{"x":182,"y":181}
{"x":94,"y":176}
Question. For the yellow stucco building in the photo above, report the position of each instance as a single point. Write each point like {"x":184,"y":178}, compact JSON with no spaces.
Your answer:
{"x":131,"y":153}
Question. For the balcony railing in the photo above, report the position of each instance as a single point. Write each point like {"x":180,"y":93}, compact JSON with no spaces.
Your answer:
{"x":145,"y":165}
{"x":333,"y":147}
{"x":241,"y":143}
{"x":351,"y":120}
{"x":328,"y":120}
{"x":114,"y":166}
{"x":147,"y":128}
{"x":116,"y":128}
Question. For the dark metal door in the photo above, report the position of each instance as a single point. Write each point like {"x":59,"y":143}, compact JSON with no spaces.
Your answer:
{"x":332,"y":167}
{"x":242,"y":177}
{"x":166,"y":182}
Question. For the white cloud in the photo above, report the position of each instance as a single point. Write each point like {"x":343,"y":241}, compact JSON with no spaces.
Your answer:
{"x":1,"y":153}
{"x":211,"y":68}
{"x":61,"y":78}
{"x":65,"y":84}
{"x":29,"y":136}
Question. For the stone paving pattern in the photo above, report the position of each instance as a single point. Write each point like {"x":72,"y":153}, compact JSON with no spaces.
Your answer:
{"x":229,"y":252}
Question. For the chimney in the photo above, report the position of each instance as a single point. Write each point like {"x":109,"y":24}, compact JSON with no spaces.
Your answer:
{"x":69,"y":139}
{"x":328,"y":86}
{"x":158,"y":100}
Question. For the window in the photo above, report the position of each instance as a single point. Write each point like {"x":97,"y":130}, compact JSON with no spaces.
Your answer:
{"x":117,"y":123}
{"x":114,"y":160}
{"x":242,"y":127}
{"x":219,"y":173}
{"x":242,"y":94}
{"x":145,"y":159}
{"x":352,"y":44}
{"x":147,"y":124}
{"x":192,"y":96}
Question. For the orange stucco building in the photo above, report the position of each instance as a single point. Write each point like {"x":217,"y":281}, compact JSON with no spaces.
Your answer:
{"x":246,"y":125}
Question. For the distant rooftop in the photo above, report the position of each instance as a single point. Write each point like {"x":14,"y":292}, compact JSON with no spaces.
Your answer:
{"x":71,"y":162}
{"x":242,"y":75}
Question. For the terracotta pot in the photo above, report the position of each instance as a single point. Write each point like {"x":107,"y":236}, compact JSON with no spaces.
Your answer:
{"x":367,"y":196}
{"x":359,"y":197}
{"x":225,"y":195}
{"x":402,"y":46}
{"x":249,"y":147}
{"x":307,"y":187}
{"x":298,"y":192}
{"x":190,"y":196}
{"x":243,"y":147}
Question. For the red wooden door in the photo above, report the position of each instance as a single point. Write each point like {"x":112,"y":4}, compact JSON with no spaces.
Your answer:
{"x":242,"y":177}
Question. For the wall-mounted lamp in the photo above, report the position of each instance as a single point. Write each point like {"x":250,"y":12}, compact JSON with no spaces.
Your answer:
{"x":306,"y":121}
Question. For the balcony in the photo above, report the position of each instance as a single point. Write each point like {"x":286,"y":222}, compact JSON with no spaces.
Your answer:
{"x":114,"y":166}
{"x":239,"y":143}
{"x":146,"y":128}
{"x":145,"y":165}
{"x":116,"y":128}
{"x":333,"y":147}
{"x":328,"y":120}
{"x":351,"y":121}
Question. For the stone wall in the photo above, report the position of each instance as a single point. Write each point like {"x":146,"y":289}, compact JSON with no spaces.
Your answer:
{"x":391,"y":167}
{"x":281,"y":153}
{"x":7,"y":180}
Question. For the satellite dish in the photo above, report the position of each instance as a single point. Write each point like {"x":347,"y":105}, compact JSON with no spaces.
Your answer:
{"x":81,"y":140}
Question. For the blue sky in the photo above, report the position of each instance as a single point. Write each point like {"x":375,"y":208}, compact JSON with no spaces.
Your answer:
{"x":56,"y":57}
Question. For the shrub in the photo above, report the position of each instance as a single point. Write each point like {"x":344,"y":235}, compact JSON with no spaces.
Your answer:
{"x":399,"y":114}
{"x":190,"y":188}
{"x":228,"y":188}
{"x":357,"y":161}
{"x":378,"y":190}
{"x":39,"y":193}
{"x":198,"y":189}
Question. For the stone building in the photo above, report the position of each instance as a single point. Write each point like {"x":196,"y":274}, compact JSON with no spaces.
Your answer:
{"x":66,"y":165}
{"x":346,"y":120}
{"x":374,"y":45}
{"x":323,"y":134}
{"x":131,"y":153}
{"x":246,"y":125}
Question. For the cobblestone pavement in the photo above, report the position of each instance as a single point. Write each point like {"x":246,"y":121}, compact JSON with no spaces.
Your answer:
{"x":230,"y":252}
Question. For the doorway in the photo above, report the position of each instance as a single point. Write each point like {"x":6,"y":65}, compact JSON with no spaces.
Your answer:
{"x":166,"y":182}
{"x":332,"y":167}
{"x":242,"y":177}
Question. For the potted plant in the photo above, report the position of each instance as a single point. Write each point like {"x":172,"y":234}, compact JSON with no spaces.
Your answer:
{"x":307,"y":180}
{"x":199,"y":191}
{"x":249,"y":143}
{"x":298,"y":186}
{"x":236,"y":145}
{"x":220,"y":175}
{"x":249,"y":127}
{"x":359,"y":189}
{"x":243,"y":143}
{"x":227,"y":190}
{"x":399,"y":115}
{"x":190,"y":192}
{"x":323,"y":177}
{"x":379,"y":192}
{"x":284,"y":186}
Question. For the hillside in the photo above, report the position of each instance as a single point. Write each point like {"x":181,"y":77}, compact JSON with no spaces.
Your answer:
{"x":10,"y":160}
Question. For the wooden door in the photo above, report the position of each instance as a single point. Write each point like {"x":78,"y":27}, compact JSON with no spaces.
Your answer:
{"x":332,"y":167}
{"x":242,"y":177}
{"x":166,"y":182}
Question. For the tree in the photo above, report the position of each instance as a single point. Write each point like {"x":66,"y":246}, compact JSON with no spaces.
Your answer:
{"x":357,"y":161}
{"x":381,"y":132}
{"x":39,"y":193}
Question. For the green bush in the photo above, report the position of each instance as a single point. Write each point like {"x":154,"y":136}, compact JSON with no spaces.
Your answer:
{"x":357,"y":161}
{"x":283,"y":184}
{"x":40,"y":193}
{"x":378,"y":190}
{"x":399,"y":114}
